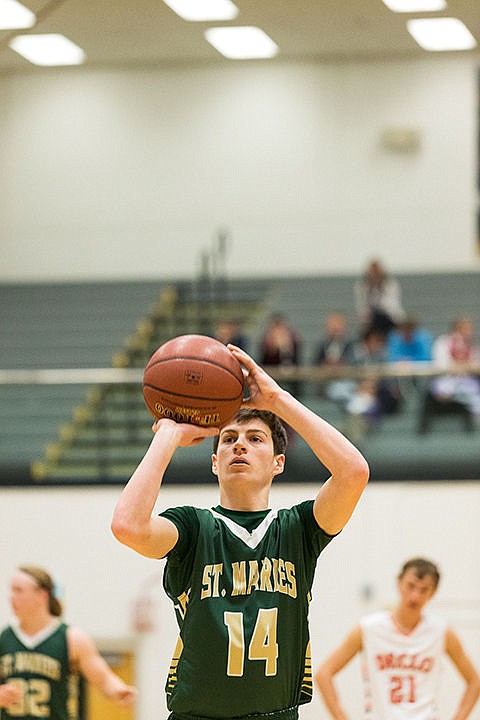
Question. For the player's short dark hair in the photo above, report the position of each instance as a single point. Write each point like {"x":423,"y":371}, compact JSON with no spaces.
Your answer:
{"x":272,"y":421}
{"x":423,"y":568}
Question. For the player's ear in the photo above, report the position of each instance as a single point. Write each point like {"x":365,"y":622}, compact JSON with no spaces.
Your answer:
{"x":278,"y":464}
{"x":214,"y":464}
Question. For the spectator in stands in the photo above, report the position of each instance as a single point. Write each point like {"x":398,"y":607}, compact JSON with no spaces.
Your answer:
{"x":458,"y":346}
{"x":229,"y":331}
{"x":373,"y":396}
{"x":281,"y":345}
{"x":378,"y":301}
{"x":335,"y":346}
{"x":458,"y":391}
{"x":334,"y":350}
{"x":409,"y":342}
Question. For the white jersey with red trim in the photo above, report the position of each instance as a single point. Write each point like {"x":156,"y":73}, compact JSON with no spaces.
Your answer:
{"x":401,"y":671}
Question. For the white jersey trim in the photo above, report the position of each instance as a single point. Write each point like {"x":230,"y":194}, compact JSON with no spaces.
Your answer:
{"x":251,"y":539}
{"x":31,"y":641}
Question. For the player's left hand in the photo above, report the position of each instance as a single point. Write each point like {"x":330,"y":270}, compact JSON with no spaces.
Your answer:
{"x":262,"y":389}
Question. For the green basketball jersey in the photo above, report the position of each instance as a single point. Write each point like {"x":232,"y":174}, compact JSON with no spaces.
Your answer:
{"x":42,"y":672}
{"x":241,"y":600}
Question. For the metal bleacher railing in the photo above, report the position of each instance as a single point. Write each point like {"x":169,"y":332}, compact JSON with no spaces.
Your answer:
{"x":110,"y":431}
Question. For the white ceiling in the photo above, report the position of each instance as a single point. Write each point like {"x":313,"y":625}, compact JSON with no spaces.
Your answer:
{"x":144,"y":32}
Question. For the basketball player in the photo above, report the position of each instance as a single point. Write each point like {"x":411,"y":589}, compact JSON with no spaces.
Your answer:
{"x":240,"y":574}
{"x":402,"y":652}
{"x":41,"y":658}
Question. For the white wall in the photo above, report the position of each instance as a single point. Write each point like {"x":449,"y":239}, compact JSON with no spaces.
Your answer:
{"x":67,"y":531}
{"x":119,"y":174}
{"x":130,"y":175}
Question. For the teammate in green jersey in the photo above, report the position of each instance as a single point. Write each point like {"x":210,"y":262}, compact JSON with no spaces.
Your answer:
{"x":42,"y":659}
{"x":240,"y":574}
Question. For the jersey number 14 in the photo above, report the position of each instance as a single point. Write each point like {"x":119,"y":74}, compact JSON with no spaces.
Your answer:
{"x":263,"y":643}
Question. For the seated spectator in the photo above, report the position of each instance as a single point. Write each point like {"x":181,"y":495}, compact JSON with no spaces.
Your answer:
{"x":458,"y":390}
{"x":409,"y":342}
{"x":281,"y":345}
{"x":373,"y":397}
{"x":378,"y":301}
{"x":370,"y":350}
{"x":335,"y":349}
{"x":229,"y":331}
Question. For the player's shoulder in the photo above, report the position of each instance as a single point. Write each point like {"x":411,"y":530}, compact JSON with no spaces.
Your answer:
{"x":299,"y":510}
{"x":434,"y":622}
{"x":6,"y":631}
{"x":375,"y":619}
{"x":184,"y":513}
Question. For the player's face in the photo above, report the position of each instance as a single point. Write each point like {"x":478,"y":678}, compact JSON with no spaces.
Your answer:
{"x":246,"y":450}
{"x":415,"y":592}
{"x":25,"y":595}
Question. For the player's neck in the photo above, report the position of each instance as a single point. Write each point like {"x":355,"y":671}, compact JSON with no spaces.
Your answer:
{"x":236,"y":499}
{"x":405,"y":619}
{"x":35,"y":623}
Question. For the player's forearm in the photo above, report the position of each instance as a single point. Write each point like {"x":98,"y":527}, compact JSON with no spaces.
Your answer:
{"x":468,"y":700}
{"x":330,"y":698}
{"x":134,"y":508}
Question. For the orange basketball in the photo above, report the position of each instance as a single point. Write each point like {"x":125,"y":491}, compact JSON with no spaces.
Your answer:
{"x":193,"y":379}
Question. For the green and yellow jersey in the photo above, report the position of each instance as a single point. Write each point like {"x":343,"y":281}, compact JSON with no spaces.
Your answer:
{"x":241,"y":586}
{"x":42,"y":672}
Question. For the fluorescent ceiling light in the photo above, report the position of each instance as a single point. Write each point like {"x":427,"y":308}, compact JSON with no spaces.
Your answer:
{"x":13,"y":15}
{"x":48,"y":49}
{"x":412,"y":6}
{"x":241,"y":43}
{"x":441,"y":34}
{"x":203,"y":10}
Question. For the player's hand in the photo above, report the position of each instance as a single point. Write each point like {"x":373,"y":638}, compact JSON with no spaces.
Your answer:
{"x":186,"y":434}
{"x":10,"y":694}
{"x":125,"y":696}
{"x":262,"y":389}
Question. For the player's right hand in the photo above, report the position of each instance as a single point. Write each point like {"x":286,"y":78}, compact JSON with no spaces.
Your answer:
{"x":186,"y":434}
{"x":9,"y":694}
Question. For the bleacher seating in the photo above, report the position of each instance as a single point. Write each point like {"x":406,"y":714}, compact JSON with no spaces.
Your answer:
{"x":72,"y":433}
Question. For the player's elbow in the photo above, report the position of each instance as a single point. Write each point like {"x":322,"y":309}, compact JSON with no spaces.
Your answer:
{"x":322,"y":676}
{"x":360,"y":471}
{"x":124,"y":530}
{"x":475,"y":686}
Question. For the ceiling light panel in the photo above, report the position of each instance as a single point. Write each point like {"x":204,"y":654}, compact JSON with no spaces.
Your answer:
{"x":412,"y":6}
{"x":48,"y":49}
{"x":203,"y":10}
{"x":15,"y":16}
{"x":241,"y":43}
{"x":441,"y":34}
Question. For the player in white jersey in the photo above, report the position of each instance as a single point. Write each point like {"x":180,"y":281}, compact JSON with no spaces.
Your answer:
{"x":401,"y":656}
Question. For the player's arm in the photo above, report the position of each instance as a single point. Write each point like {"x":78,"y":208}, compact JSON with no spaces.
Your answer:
{"x":349,"y":470}
{"x":85,"y":657}
{"x":133,"y":522}
{"x":331,"y":666}
{"x":457,"y":654}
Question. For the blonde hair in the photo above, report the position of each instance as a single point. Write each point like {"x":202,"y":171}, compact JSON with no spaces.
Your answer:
{"x":45,"y":582}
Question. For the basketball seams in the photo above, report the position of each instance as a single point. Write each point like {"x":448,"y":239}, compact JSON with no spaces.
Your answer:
{"x":172,"y":393}
{"x":192,"y":358}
